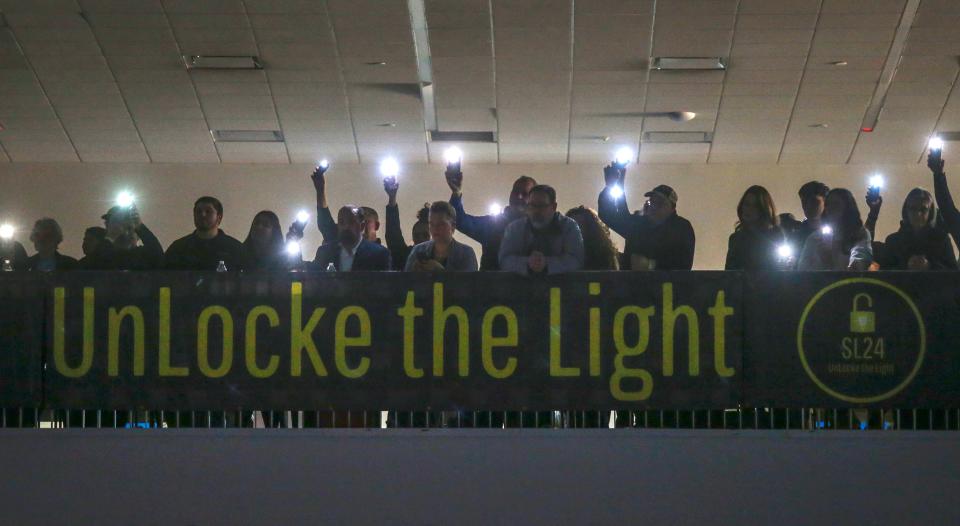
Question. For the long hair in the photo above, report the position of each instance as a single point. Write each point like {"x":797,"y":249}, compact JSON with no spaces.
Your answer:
{"x":598,"y":249}
{"x":768,"y":211}
{"x":850,"y":228}
{"x":926,"y":196}
{"x":276,"y":234}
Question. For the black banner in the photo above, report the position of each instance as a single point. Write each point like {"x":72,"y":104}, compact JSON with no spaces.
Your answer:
{"x":394,"y":341}
{"x":479,"y":341}
{"x":829,"y":339}
{"x":21,"y":340}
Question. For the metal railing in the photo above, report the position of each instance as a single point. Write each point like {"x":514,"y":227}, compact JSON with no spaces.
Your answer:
{"x":808,"y":419}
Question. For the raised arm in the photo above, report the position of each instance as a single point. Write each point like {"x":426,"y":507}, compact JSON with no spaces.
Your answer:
{"x":394,"y":233}
{"x":948,"y":211}
{"x":325,"y":222}
{"x":612,"y":208}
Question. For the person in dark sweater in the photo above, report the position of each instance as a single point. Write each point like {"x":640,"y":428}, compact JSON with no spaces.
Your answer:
{"x":813,"y":199}
{"x":264,"y":247}
{"x":922,"y":243}
{"x":119,"y":249}
{"x":659,"y":239}
{"x":948,"y":211}
{"x":488,"y":230}
{"x":46,"y":237}
{"x":755,"y":243}
{"x":207,"y":246}
{"x":399,"y":250}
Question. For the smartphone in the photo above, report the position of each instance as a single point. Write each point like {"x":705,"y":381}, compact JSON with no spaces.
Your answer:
{"x":873,"y":193}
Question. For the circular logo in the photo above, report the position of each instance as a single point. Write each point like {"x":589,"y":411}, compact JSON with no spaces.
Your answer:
{"x":861,"y":340}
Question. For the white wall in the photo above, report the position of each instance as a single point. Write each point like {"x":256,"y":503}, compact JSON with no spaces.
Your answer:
{"x":76,"y":194}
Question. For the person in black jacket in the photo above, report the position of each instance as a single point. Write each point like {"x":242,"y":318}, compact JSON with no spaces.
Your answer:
{"x":119,"y":249}
{"x":659,"y":239}
{"x":757,"y":240}
{"x":813,"y":199}
{"x":399,"y":250}
{"x":264,"y":247}
{"x":948,"y":211}
{"x":46,"y":237}
{"x":207,"y":246}
{"x":488,"y":230}
{"x":351,"y":252}
{"x":370,"y":225}
{"x":921,"y":243}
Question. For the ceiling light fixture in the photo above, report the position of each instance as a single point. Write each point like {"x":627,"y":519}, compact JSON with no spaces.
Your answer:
{"x":387,"y":125}
{"x":462,"y":136}
{"x":376,"y":63}
{"x":677,"y":137}
{"x":247,"y":135}
{"x":689,"y":63}
{"x":838,"y":63}
{"x":222,"y":62}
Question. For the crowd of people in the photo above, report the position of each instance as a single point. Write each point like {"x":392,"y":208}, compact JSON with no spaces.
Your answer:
{"x":530,"y":236}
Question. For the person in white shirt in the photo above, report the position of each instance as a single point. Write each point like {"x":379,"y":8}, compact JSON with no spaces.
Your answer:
{"x":842,"y":243}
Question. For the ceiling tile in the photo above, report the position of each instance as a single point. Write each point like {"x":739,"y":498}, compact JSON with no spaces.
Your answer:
{"x":111,"y":151}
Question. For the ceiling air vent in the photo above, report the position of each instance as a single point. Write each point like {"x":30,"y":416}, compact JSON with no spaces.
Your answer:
{"x":688,"y":63}
{"x":677,"y":137}
{"x":222,"y":62}
{"x":462,"y":136}
{"x":247,"y":135}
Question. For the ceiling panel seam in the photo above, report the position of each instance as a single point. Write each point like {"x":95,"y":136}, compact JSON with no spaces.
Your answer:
{"x":573,"y":13}
{"x":803,"y":76}
{"x":43,"y":91}
{"x":342,"y":78}
{"x":193,"y":83}
{"x":907,"y":15}
{"x":256,"y":46}
{"x":126,"y":105}
{"x":723,"y":83}
{"x":943,"y":109}
{"x":493,"y":60}
{"x":646,"y":81}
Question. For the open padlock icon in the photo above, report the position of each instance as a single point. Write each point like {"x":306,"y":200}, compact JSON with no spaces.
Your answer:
{"x":862,"y":321}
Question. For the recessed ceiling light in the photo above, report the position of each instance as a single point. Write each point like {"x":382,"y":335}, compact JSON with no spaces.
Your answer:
{"x":247,"y":135}
{"x":222,"y":62}
{"x":376,"y":63}
{"x":820,"y":125}
{"x":605,"y":138}
{"x":387,"y":125}
{"x":838,"y":63}
{"x":685,"y":63}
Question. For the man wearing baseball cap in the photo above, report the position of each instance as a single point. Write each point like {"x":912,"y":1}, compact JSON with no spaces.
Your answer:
{"x":657,"y":239}
{"x":119,"y":250}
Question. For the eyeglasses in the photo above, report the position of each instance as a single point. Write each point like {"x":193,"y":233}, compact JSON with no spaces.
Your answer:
{"x":539,"y":206}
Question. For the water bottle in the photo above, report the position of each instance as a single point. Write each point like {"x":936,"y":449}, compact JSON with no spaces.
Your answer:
{"x":331,"y":267}
{"x":222,"y":266}
{"x":7,"y":265}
